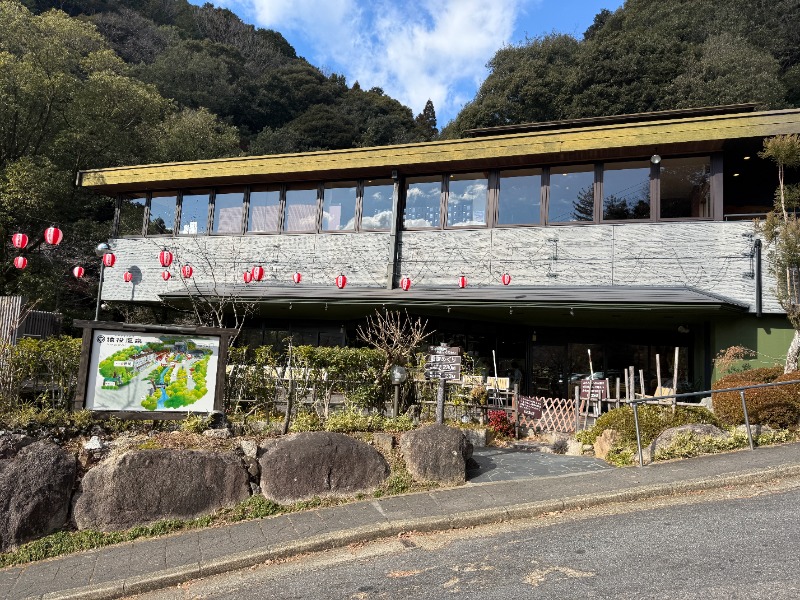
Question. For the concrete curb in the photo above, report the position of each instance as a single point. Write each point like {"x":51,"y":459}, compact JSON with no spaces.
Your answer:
{"x":340,"y":539}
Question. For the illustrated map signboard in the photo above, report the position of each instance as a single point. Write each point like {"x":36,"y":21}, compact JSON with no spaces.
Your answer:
{"x":149,"y":371}
{"x":443,"y":362}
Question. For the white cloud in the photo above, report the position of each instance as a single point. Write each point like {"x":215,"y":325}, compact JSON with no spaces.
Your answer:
{"x":414,"y":50}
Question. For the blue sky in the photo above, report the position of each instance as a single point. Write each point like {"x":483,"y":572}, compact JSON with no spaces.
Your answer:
{"x":414,"y":49}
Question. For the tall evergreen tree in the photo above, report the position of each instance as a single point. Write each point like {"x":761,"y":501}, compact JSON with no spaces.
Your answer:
{"x":426,"y":122}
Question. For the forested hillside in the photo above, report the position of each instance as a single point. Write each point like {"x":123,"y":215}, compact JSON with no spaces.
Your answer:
{"x":251,"y":78}
{"x":115,"y":82}
{"x":646,"y":56}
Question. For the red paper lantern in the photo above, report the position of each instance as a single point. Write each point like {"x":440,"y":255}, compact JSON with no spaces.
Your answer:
{"x":462,"y":282}
{"x":341,"y":281}
{"x":258,"y":273}
{"x":78,"y":272}
{"x":247,"y":276}
{"x":297,"y":277}
{"x":127,"y":276}
{"x":53,"y":235}
{"x":186,"y":271}
{"x":165,"y":258}
{"x":505,"y":278}
{"x":20,"y":262}
{"x":165,"y":275}
{"x":109,"y":259}
{"x":20,"y":240}
{"x":405,"y":284}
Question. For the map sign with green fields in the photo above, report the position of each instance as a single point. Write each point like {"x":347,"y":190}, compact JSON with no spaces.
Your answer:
{"x":148,"y":372}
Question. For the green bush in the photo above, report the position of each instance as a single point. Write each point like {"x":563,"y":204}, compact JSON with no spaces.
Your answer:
{"x":305,"y":420}
{"x":652,"y":421}
{"x":195,"y":423}
{"x":777,"y":407}
{"x":349,"y":421}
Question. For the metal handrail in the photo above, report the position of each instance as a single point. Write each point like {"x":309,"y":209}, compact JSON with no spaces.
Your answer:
{"x":741,"y":389}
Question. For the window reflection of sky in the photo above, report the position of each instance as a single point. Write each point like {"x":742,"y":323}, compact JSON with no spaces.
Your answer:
{"x":339,"y":208}
{"x":466,"y":202}
{"x":423,"y":208}
{"x":520,"y":199}
{"x":376,"y":212}
{"x":569,"y":192}
{"x":194,"y":213}
{"x":626,"y":191}
{"x":162,"y":214}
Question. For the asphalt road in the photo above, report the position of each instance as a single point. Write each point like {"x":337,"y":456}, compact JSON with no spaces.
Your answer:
{"x":725,"y":544}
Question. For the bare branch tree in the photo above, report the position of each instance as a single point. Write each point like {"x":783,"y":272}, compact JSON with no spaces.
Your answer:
{"x":396,"y":333}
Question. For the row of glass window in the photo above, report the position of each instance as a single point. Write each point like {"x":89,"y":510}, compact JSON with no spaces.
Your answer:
{"x":680,"y":187}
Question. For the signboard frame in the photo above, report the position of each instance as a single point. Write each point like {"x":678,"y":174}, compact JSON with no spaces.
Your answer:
{"x":91,"y":332}
{"x":443,"y":360}
{"x":594,"y":390}
{"x":530,"y":406}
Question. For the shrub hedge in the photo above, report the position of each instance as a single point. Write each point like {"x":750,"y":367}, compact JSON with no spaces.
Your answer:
{"x":652,"y":421}
{"x":776,"y":407}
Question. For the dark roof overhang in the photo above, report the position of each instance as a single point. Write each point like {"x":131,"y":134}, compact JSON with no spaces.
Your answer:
{"x":594,"y":297}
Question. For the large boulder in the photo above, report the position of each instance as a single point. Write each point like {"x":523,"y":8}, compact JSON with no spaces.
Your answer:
{"x":144,"y":486}
{"x":698,"y":430}
{"x":320,"y":463}
{"x":35,"y":490}
{"x":604,"y":442}
{"x":436,"y":453}
{"x":12,"y":443}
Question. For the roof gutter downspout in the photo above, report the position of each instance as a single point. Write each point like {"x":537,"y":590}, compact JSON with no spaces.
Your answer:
{"x":757,"y":249}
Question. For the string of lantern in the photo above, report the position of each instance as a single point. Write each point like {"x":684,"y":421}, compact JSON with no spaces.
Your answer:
{"x":53,"y":236}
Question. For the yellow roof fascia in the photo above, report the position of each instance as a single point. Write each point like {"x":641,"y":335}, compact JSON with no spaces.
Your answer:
{"x":558,"y":141}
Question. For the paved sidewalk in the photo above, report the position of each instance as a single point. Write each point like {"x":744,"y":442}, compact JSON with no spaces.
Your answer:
{"x":145,"y":565}
{"x":504,"y":464}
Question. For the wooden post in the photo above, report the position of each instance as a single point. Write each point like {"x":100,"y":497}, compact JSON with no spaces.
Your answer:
{"x":675,"y":379}
{"x":632,"y":381}
{"x":641,"y":382}
{"x":440,"y":401}
{"x":627,"y":386}
{"x":577,"y":407}
{"x":617,"y":394}
{"x":659,"y":390}
{"x":591,"y":368}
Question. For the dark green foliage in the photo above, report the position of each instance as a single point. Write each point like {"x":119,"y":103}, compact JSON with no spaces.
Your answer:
{"x":646,"y":56}
{"x":652,"y":421}
{"x":777,"y":407}
{"x":426,"y":122}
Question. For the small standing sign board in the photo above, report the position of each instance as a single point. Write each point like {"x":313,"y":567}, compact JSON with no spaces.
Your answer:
{"x":593,"y":391}
{"x":442,"y":363}
{"x":530,"y":407}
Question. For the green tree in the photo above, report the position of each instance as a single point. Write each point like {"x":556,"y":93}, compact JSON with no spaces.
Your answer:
{"x":67,"y":103}
{"x":781,"y":231}
{"x":426,"y":122}
{"x":726,"y":69}
{"x":530,"y":82}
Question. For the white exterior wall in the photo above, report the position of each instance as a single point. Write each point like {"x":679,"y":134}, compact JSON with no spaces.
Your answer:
{"x":362,"y":257}
{"x":711,"y":256}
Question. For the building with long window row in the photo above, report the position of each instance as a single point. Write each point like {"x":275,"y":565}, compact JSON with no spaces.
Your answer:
{"x":526,"y":245}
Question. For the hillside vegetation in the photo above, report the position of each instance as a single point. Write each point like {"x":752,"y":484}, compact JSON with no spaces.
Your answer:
{"x":646,"y":56}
